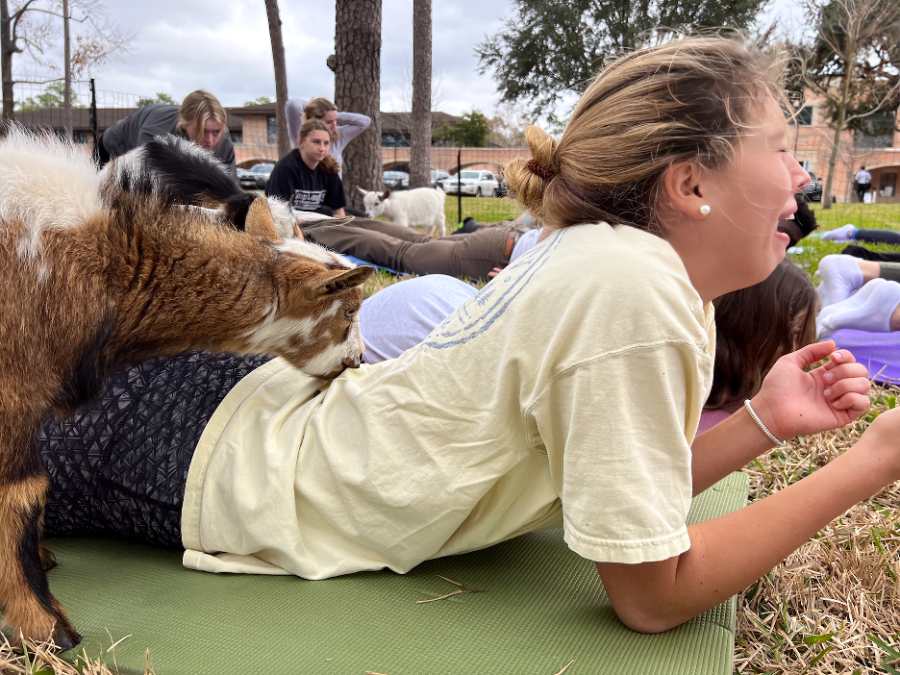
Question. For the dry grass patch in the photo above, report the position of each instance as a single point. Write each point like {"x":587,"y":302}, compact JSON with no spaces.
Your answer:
{"x":43,"y":659}
{"x":834,"y":605}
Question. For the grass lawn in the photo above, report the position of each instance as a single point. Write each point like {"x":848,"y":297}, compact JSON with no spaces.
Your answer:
{"x":865,"y":216}
{"x":484,"y":210}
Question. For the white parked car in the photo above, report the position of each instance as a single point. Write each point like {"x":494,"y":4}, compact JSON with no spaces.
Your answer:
{"x":478,"y":183}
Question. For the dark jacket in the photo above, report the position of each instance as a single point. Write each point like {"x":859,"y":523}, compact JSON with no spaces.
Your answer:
{"x":152,"y":121}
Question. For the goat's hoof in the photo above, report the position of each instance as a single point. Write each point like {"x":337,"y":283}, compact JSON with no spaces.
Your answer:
{"x":48,"y":560}
{"x":65,"y":636}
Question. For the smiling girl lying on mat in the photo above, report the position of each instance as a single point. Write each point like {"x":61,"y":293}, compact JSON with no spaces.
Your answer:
{"x":567,"y":392}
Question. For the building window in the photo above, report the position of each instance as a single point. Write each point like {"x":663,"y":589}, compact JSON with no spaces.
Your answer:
{"x":394,"y":140}
{"x":237,"y":136}
{"x":804,"y":117}
{"x":888,"y":184}
{"x":875,"y":131}
{"x":271,"y":129}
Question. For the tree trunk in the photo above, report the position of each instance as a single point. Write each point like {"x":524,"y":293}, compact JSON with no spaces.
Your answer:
{"x":67,"y":68}
{"x":420,"y":136}
{"x":832,"y":159}
{"x":7,"y":49}
{"x":281,"y":90}
{"x":357,"y":88}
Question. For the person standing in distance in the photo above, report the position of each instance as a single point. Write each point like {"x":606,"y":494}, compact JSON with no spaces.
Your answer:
{"x":863,"y":183}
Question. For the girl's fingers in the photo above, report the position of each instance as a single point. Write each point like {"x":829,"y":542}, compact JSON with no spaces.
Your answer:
{"x":844,"y":371}
{"x":809,"y":354}
{"x":855,"y":404}
{"x":840,"y":388}
{"x":839,"y":357}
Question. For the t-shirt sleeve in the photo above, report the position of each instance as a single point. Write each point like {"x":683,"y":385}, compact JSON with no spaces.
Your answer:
{"x":352,"y":125}
{"x":227,"y":152}
{"x":293,"y":111}
{"x":334,"y":197}
{"x":614,"y":430}
{"x":280,"y":184}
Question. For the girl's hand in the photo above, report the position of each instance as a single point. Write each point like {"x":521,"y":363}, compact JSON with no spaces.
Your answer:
{"x":792,"y":402}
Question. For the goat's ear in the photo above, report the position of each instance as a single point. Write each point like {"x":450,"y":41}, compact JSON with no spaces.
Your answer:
{"x":361,"y":190}
{"x":298,"y":232}
{"x":341,"y":280}
{"x":259,"y":221}
{"x":387,"y":193}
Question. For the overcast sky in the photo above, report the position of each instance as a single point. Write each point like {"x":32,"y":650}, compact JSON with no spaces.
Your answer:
{"x":223,"y":46}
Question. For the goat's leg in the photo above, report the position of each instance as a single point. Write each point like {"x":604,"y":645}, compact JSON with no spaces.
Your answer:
{"x":29,"y":609}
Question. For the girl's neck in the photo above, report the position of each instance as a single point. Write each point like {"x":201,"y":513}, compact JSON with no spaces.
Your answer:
{"x":311,"y":163}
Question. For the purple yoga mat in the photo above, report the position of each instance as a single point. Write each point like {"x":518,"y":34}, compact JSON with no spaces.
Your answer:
{"x":873,"y":350}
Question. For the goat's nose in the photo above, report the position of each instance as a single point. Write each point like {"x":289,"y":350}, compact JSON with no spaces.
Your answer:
{"x":351,"y":362}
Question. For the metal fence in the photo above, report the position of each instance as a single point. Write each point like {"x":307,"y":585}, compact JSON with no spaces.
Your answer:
{"x":473,"y":179}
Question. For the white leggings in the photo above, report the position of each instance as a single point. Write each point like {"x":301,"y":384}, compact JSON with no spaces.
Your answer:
{"x":401,"y":316}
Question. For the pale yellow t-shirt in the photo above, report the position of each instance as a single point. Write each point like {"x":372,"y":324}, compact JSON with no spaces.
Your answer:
{"x":566,"y":392}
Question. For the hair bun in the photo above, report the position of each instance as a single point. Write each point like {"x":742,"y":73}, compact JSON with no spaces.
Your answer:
{"x":543,"y":149}
{"x":528,"y":179}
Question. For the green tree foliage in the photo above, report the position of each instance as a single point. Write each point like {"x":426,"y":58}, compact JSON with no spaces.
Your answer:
{"x":51,"y":98}
{"x":259,"y":100}
{"x":470,"y":132}
{"x":551,"y":48}
{"x":161,"y":97}
{"x":852,"y":65}
{"x":856,"y":44}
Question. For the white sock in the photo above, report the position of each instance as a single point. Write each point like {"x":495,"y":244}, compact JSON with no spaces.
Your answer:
{"x":869,"y":310}
{"x":845,"y":233}
{"x":840,"y":277}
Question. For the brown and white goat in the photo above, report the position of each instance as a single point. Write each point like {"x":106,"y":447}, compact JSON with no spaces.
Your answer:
{"x":89,"y":284}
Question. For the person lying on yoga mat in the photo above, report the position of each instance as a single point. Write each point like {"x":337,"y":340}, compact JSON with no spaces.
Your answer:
{"x":858,"y":294}
{"x":566,"y":393}
{"x":853,"y":233}
{"x":476,"y":255}
{"x":755,"y":327}
{"x":307,"y":177}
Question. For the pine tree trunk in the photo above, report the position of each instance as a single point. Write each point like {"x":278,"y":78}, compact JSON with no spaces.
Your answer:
{"x":420,"y":136}
{"x":7,"y":49}
{"x":67,"y":68}
{"x":281,"y":90}
{"x":357,"y":88}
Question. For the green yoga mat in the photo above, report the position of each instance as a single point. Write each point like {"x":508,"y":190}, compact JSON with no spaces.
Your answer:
{"x":541,"y":608}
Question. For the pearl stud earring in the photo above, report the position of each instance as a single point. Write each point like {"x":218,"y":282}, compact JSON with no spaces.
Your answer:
{"x":704,"y":210}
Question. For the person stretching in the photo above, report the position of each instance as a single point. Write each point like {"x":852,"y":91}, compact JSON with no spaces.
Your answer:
{"x":343,"y":126}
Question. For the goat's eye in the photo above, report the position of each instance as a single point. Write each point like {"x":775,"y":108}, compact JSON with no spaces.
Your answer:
{"x":350,"y":313}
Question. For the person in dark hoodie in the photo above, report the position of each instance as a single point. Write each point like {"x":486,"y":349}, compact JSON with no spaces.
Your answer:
{"x":200,"y":118}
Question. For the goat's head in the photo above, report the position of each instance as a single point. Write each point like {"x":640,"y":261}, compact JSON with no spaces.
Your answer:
{"x":374,"y":202}
{"x":314,"y":320}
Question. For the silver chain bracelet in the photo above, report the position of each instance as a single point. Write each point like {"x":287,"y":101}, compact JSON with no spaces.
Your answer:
{"x":763,"y":426}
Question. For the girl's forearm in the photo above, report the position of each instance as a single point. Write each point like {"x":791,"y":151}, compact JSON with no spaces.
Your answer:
{"x":729,"y":553}
{"x":726,"y":447}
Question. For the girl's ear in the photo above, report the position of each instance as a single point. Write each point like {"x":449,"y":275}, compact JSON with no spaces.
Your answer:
{"x":684,"y":190}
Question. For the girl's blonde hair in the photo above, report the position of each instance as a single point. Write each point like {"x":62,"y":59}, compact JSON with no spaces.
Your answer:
{"x":685,"y":100}
{"x":330,"y":164}
{"x":198,"y":107}
{"x":316,"y":109}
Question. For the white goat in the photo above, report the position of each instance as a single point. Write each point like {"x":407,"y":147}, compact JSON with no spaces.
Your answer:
{"x":422,"y":206}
